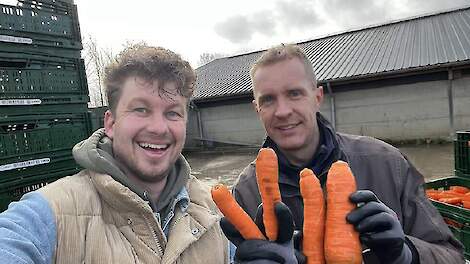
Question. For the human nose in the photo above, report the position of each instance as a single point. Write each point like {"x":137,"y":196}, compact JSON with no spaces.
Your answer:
{"x":283,"y":109}
{"x":157,"y":124}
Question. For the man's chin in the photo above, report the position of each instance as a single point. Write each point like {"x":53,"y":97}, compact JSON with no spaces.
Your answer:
{"x":152,"y":178}
{"x":151,"y":174}
{"x":290,"y":146}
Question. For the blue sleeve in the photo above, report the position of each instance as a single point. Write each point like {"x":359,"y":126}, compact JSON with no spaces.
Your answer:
{"x":231,"y":249}
{"x":27,"y":231}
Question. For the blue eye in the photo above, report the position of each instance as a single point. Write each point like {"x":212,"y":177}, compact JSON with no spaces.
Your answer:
{"x":265,"y":100}
{"x":173,"y":115}
{"x":140,"y":110}
{"x":294,"y":93}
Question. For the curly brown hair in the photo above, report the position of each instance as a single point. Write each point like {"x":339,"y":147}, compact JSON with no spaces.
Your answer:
{"x":151,"y":64}
{"x":284,"y":52}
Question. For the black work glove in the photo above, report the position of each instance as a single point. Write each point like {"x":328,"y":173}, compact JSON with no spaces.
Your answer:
{"x":297,"y":239}
{"x":264,"y":251}
{"x":379,"y":228}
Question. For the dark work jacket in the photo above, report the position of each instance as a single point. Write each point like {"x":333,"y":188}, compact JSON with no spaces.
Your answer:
{"x":381,"y":168}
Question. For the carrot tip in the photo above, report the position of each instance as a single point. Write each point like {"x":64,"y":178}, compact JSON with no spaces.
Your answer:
{"x":306,"y":173}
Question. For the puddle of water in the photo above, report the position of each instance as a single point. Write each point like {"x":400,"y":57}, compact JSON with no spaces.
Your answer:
{"x":433,"y":161}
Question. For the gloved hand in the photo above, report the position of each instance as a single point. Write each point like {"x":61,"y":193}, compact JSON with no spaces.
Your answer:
{"x":379,"y":228}
{"x":264,"y":251}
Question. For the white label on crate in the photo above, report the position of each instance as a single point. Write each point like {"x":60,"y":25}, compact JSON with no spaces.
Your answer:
{"x":20,"y":102}
{"x":24,"y":164}
{"x":20,"y":40}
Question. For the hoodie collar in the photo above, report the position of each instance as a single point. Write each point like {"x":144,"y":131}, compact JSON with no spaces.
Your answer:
{"x":95,"y":153}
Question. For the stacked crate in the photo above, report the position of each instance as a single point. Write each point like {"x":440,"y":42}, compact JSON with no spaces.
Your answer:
{"x":462,"y":154}
{"x":457,"y":217}
{"x":43,"y":95}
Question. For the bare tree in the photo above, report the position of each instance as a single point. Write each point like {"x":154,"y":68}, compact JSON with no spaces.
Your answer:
{"x":96,"y":59}
{"x":206,"y":57}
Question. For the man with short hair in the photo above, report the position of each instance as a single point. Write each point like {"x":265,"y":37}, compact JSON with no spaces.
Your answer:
{"x":396,"y":222}
{"x":135,"y":201}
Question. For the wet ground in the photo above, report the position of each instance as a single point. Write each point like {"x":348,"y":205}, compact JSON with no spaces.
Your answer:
{"x":433,"y":161}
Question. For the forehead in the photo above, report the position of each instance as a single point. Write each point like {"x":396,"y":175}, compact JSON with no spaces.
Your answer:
{"x":285,"y":73}
{"x":136,"y":88}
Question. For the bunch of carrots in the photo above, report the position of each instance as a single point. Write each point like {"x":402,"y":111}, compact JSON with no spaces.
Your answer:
{"x":327,"y":237}
{"x":456,"y":195}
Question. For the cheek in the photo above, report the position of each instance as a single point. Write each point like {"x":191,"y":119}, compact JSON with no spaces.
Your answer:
{"x":178,"y":129}
{"x":128,"y":128}
{"x":264,"y":115}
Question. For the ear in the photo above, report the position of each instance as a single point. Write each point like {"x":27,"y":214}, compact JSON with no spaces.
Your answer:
{"x":319,"y":95}
{"x":109,"y":121}
{"x":255,"y":105}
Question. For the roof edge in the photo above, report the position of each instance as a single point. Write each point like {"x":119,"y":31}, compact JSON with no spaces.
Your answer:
{"x":391,"y":22}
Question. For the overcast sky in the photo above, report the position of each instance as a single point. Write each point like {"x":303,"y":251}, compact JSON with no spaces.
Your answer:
{"x":231,"y":27}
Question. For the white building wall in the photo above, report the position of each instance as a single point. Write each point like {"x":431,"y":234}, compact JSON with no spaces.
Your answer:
{"x":401,"y":112}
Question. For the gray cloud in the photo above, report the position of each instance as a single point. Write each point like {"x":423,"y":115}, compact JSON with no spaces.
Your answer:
{"x":237,"y":29}
{"x":264,"y":23}
{"x":433,"y":5}
{"x":349,"y":14}
{"x":359,"y":13}
{"x":289,"y":14}
{"x":297,"y":14}
{"x":306,"y":16}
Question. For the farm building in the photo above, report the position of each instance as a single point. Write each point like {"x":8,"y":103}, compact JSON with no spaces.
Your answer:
{"x":399,"y":81}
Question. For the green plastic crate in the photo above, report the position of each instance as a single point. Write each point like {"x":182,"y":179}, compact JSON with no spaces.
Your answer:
{"x":14,"y":190}
{"x":459,"y":225}
{"x":38,"y":19}
{"x":28,"y":166}
{"x":456,"y":217}
{"x":41,"y":86}
{"x":31,"y":144}
{"x":97,"y":117}
{"x":462,"y":152}
{"x":35,"y":58}
{"x":31,"y":49}
{"x":461,"y":174}
{"x":30,"y":135}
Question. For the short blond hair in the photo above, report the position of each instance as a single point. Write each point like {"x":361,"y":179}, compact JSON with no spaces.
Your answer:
{"x":284,"y":52}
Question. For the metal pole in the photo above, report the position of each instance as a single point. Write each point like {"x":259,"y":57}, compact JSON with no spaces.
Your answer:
{"x":451,"y":102}
{"x":332,"y":105}
{"x":199,"y":125}
{"x":199,"y":121}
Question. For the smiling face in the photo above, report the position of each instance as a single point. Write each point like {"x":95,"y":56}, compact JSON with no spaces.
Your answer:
{"x":287,"y":101}
{"x":148,"y":129}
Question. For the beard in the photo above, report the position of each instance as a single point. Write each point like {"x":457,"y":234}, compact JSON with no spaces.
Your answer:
{"x":131,"y":169}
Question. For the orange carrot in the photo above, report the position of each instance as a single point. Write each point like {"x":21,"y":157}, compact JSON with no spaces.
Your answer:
{"x":314,"y":217}
{"x":449,"y":194}
{"x":234,"y":213}
{"x":459,"y":189}
{"x":267,"y":177}
{"x":433,"y":196}
{"x":466,"y":204}
{"x":452,"y":200}
{"x":342,"y":243}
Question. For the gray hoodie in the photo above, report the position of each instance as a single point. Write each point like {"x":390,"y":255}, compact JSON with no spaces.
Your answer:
{"x":96,"y":153}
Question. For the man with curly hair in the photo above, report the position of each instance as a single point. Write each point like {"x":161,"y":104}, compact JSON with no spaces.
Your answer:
{"x":135,"y":201}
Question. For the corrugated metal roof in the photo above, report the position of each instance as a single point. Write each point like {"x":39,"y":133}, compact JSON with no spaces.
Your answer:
{"x":433,"y":40}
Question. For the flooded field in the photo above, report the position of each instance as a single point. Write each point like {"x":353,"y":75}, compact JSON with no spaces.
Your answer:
{"x":433,"y":161}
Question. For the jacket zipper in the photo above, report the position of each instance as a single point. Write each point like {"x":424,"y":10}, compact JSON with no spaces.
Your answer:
{"x":149,"y":223}
{"x":178,"y":219}
{"x":155,"y":236}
